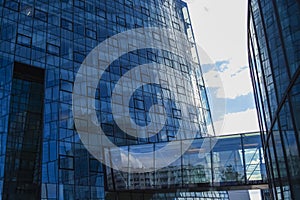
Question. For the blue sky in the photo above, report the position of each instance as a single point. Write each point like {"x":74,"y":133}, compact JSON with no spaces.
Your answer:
{"x":220,"y":31}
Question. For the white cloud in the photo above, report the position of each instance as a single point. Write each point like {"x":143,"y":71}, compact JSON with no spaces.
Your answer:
{"x":239,"y":122}
{"x":231,"y":83}
{"x":220,"y":31}
{"x":220,"y":28}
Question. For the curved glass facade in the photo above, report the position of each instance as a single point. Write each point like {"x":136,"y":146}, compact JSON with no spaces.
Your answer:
{"x":55,"y":37}
{"x":274,"y":58}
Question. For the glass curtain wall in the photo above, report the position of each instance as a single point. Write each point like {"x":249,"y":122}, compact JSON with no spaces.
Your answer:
{"x":56,"y":36}
{"x":274,"y":58}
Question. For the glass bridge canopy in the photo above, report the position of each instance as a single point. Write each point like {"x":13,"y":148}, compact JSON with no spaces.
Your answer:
{"x":220,"y":162}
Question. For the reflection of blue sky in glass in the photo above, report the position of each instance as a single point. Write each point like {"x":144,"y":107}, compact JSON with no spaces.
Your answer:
{"x":228,"y":154}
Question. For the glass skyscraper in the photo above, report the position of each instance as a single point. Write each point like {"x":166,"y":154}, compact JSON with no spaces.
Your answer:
{"x":43,"y":154}
{"x":43,"y":44}
{"x":274,"y":57}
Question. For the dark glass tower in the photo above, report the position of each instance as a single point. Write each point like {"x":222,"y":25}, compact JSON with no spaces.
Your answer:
{"x":274,"y":57}
{"x":42,"y":45}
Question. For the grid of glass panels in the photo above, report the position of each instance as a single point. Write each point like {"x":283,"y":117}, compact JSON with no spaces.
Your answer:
{"x":234,"y":161}
{"x":56,"y":36}
{"x":22,"y":175}
{"x":5,"y":88}
{"x":274,"y":58}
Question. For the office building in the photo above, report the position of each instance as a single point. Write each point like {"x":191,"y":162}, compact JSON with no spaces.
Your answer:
{"x":43,"y":44}
{"x":274,"y":58}
{"x":43,"y":154}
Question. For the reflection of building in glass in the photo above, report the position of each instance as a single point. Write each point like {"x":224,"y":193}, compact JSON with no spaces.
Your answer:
{"x":274,"y":57}
{"x":23,"y":156}
{"x":43,"y":44}
{"x":41,"y":153}
{"x":235,"y":162}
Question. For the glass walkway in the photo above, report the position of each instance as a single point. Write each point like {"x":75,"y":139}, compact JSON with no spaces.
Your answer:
{"x":229,"y":162}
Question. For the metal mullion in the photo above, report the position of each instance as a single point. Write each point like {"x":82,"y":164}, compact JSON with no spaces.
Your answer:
{"x":244,"y":159}
{"x":277,"y":166}
{"x":293,"y":82}
{"x":269,"y":171}
{"x":263,"y":78}
{"x":262,"y":71}
{"x":262,"y":118}
{"x":257,"y":90}
{"x":271,"y":177}
{"x":260,"y":159}
{"x":281,"y":102}
{"x":285,"y":157}
{"x":275,"y":115}
{"x":297,"y":73}
{"x":287,"y":69}
{"x":202,"y":80}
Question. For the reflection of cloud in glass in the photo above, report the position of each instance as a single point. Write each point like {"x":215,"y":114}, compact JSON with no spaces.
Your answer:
{"x":184,"y":87}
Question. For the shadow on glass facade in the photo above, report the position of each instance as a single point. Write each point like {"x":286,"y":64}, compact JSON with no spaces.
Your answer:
{"x":22,"y":175}
{"x":274,"y":58}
